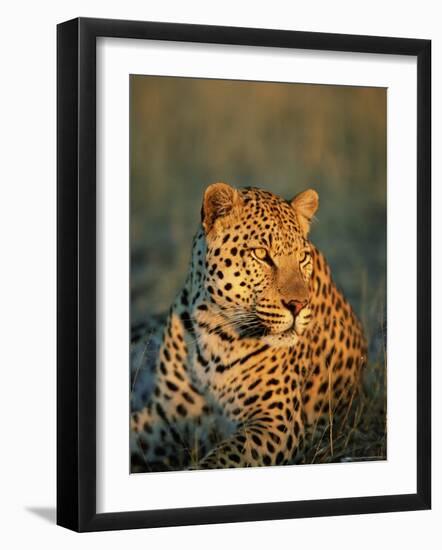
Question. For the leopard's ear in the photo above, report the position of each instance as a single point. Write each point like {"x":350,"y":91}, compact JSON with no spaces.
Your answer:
{"x":219,"y":200}
{"x":305,"y":205}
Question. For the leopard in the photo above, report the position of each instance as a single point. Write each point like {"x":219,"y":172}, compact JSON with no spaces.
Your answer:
{"x":259,"y":347}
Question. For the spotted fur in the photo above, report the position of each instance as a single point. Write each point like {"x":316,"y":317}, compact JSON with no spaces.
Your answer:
{"x":259,"y":346}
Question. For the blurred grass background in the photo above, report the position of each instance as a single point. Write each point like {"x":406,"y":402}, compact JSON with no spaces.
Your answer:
{"x":188,"y":133}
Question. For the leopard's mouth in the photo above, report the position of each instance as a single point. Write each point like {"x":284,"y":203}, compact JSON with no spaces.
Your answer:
{"x":256,"y":324}
{"x":290,"y":336}
{"x":258,"y":328}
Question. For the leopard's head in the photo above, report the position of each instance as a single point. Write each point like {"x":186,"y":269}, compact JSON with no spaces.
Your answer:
{"x":258,"y":261}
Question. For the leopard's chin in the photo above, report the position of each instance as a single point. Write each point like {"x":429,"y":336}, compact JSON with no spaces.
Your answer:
{"x":286,"y":339}
{"x":290,"y":336}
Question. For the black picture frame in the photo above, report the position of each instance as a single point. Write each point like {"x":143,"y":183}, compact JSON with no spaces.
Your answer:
{"x":76,"y":273}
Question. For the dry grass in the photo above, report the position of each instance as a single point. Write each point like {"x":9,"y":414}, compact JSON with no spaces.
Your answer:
{"x":362,"y":433}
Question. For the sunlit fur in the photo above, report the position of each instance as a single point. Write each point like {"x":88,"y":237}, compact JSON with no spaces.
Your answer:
{"x":258,"y":346}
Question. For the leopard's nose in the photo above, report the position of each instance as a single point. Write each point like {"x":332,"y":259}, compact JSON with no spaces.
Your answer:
{"x":295,"y":306}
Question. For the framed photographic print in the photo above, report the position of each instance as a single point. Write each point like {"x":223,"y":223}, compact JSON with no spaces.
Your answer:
{"x":243,"y":274}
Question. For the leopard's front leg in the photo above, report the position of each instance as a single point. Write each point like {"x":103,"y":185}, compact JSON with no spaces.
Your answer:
{"x":165,"y":433}
{"x":265,"y":441}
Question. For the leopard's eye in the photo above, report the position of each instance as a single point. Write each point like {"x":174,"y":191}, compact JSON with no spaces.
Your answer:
{"x":305,"y":263}
{"x":262,"y":255}
{"x":305,"y":258}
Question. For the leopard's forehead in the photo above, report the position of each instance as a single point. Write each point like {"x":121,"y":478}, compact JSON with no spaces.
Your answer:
{"x":270,"y":219}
